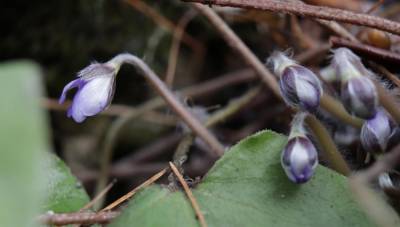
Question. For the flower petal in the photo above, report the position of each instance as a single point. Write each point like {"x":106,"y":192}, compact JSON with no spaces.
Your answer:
{"x":94,"y":97}
{"x":73,"y":84}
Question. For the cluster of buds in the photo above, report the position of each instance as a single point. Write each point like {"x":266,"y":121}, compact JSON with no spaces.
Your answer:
{"x":299,"y":158}
{"x":299,"y":86}
{"x":358,"y":91}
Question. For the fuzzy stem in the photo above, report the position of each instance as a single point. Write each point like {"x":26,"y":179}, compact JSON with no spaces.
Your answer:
{"x":335,"y":108}
{"x":328,"y":146}
{"x":388,"y":102}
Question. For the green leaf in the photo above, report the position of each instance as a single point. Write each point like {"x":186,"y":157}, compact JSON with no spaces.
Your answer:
{"x":63,"y":191}
{"x":23,"y":139}
{"x":247,"y":187}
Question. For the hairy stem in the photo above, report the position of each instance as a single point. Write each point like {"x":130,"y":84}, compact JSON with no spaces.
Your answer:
{"x":329,"y":148}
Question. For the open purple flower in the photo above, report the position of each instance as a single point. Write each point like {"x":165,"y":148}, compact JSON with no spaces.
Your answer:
{"x":95,"y":85}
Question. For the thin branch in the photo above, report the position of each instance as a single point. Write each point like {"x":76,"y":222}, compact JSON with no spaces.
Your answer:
{"x":371,"y":52}
{"x":388,"y":102}
{"x":237,"y":44}
{"x":83,"y":218}
{"x":165,"y":23}
{"x":189,"y":194}
{"x":98,"y":196}
{"x":331,"y":153}
{"x":176,"y":43}
{"x":306,"y":10}
{"x":127,"y":196}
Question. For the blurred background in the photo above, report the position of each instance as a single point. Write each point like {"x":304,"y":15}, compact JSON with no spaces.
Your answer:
{"x":65,"y":36}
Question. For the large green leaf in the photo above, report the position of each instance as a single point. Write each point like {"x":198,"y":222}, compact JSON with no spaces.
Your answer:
{"x":31,"y":179}
{"x":23,"y":136}
{"x":63,"y":192}
{"x":248,"y":187}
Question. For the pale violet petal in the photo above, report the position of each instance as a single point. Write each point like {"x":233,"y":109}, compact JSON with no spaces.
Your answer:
{"x":94,"y":96}
{"x":73,"y":84}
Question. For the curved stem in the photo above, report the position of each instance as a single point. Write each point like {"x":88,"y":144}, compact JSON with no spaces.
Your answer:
{"x":329,"y":148}
{"x":335,"y":108}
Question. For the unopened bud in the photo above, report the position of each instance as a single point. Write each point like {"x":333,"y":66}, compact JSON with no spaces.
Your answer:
{"x":376,"y":132}
{"x":299,"y":86}
{"x":299,"y":157}
{"x":358,"y":92}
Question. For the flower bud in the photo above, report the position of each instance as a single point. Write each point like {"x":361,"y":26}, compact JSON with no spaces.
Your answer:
{"x":376,"y":132}
{"x":299,"y":158}
{"x":358,"y":92}
{"x":299,"y":86}
{"x":95,"y":85}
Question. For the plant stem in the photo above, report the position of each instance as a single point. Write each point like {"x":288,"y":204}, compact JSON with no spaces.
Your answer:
{"x":321,"y":12}
{"x":329,"y":148}
{"x":388,"y":102}
{"x":335,"y":108}
{"x":237,"y":44}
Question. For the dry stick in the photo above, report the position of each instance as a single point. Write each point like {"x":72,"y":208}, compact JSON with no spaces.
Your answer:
{"x":234,"y":41}
{"x":83,"y":218}
{"x":328,"y":146}
{"x":128,"y":195}
{"x":381,"y":213}
{"x":332,"y":25}
{"x":327,"y":102}
{"x":174,"y":51}
{"x":165,"y":23}
{"x":306,"y":10}
{"x":100,"y":195}
{"x":190,"y":196}
{"x":191,"y":121}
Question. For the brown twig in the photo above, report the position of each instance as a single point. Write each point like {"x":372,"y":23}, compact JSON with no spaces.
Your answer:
{"x":320,"y":12}
{"x":174,"y":51}
{"x":236,"y":43}
{"x":98,"y":196}
{"x":83,"y":218}
{"x":189,"y":194}
{"x":371,"y":52}
{"x":388,"y":102}
{"x":164,"y":22}
{"x":135,"y":190}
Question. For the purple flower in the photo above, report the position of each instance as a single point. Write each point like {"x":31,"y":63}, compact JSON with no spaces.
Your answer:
{"x":95,"y":85}
{"x":299,"y":159}
{"x":376,"y":132}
